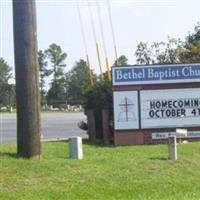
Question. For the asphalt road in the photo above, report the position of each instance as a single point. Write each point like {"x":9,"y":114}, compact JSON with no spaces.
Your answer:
{"x":54,"y":126}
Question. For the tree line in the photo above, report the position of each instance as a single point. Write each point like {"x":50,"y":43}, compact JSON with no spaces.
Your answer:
{"x":69,"y":87}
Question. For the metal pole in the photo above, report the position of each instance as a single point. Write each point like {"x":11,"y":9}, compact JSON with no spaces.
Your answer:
{"x":99,"y":60}
{"x":90,"y":71}
{"x":108,"y":69}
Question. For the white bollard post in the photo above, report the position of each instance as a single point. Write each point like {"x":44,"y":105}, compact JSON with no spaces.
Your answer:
{"x":75,"y":148}
{"x":172,"y":148}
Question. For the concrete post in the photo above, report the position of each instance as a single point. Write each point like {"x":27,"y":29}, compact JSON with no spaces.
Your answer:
{"x":75,"y":148}
{"x":172,"y":145}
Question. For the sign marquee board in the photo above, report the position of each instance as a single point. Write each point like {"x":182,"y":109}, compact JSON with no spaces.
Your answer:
{"x":156,"y":74}
{"x":170,"y":108}
{"x":126,"y":110}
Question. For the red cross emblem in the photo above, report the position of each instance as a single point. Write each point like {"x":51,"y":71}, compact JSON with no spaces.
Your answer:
{"x":126,"y":105}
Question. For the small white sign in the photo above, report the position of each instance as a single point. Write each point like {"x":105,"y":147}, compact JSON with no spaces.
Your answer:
{"x":181,"y":132}
{"x":126,"y":110}
{"x":160,"y":136}
{"x":165,"y":135}
{"x":193,"y":134}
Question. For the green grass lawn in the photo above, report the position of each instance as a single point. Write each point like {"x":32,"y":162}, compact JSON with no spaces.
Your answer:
{"x":131,"y":172}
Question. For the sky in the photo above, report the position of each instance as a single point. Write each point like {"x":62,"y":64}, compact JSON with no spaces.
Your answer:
{"x":133,"y":21}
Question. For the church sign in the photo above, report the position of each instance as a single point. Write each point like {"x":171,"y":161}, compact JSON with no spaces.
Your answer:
{"x":155,"y":98}
{"x":156,"y":74}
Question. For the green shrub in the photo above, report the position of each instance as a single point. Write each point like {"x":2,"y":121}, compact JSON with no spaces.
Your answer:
{"x":98,"y":97}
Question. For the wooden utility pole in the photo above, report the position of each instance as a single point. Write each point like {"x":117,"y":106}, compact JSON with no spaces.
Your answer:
{"x":27,"y":82}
